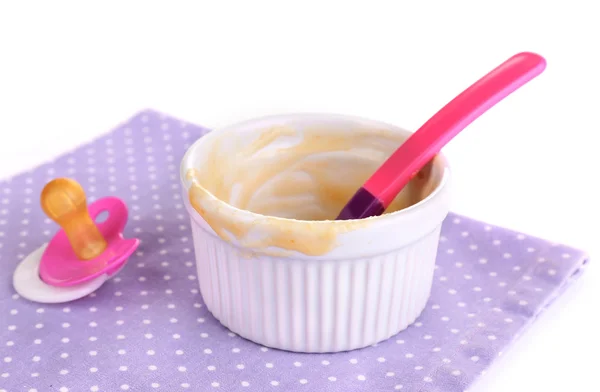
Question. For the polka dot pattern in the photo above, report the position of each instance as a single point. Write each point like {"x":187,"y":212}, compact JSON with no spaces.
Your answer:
{"x":148,"y":328}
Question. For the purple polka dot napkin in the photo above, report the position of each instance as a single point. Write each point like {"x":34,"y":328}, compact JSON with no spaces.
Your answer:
{"x":148,"y":329}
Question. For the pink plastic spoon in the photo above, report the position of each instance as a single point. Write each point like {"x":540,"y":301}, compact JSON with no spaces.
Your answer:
{"x":384,"y":185}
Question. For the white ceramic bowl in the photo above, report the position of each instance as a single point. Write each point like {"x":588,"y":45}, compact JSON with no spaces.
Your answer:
{"x":302,"y":285}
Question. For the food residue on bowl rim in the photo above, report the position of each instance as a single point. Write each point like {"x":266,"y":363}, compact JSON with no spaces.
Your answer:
{"x":270,"y":180}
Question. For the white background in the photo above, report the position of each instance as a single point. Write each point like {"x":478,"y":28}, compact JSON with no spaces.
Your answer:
{"x":70,"y":71}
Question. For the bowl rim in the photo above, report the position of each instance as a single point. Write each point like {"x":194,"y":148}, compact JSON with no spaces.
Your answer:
{"x":231,"y":210}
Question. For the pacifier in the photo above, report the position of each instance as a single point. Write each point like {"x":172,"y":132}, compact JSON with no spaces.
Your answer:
{"x":83,"y":254}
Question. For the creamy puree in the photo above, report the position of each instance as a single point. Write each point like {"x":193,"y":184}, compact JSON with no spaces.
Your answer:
{"x":306,"y":176}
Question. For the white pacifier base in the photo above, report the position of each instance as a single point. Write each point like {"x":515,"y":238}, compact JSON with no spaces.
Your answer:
{"x":29,"y":285}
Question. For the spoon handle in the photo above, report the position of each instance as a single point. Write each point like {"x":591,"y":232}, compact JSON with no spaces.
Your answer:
{"x":428,"y":140}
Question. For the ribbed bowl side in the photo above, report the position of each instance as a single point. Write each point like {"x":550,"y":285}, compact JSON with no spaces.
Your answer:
{"x":320,"y":306}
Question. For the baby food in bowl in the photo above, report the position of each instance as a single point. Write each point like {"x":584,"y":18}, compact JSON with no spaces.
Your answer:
{"x":275,"y":266}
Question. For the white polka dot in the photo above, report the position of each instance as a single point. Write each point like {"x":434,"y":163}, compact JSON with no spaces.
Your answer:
{"x":427,"y":379}
{"x":240,"y":366}
{"x":93,"y":370}
{"x":354,"y":361}
{"x":122,"y":368}
{"x":155,"y":385}
{"x":409,"y":355}
{"x":7,"y":359}
{"x":152,"y":367}
{"x":475,"y":358}
{"x":491,"y":337}
{"x":64,"y":355}
{"x":181,"y":368}
{"x":456,"y":372}
{"x":398,"y":387}
{"x":274,"y":383}
{"x":297,"y":364}
{"x":150,"y":352}
{"x":269,"y":365}
{"x":361,"y":377}
{"x":125,"y":387}
{"x":303,"y":381}
{"x":331,"y":378}
{"x":207,"y":351}
{"x":64,"y":371}
{"x":94,"y":388}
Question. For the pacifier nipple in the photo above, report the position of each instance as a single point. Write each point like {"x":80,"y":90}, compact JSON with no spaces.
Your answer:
{"x":63,"y":200}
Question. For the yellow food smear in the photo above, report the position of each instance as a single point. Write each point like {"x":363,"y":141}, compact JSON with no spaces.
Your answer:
{"x":297,"y":181}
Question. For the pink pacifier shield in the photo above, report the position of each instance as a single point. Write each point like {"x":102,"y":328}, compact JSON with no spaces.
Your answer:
{"x":60,"y":266}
